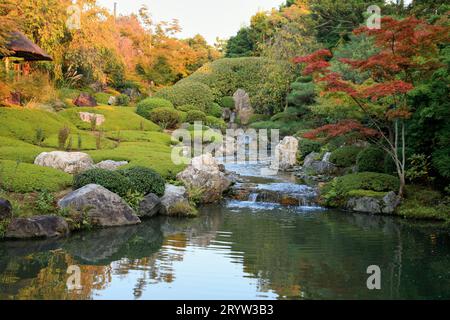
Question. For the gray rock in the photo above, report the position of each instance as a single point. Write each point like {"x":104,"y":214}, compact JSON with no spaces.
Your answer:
{"x":85,"y":100}
{"x":112,"y":101}
{"x":37,"y":227}
{"x":204,"y":173}
{"x":105,"y":208}
{"x":110,"y":165}
{"x":149,"y":206}
{"x":312,"y":165}
{"x":69,"y":162}
{"x":385,"y":205}
{"x":243,"y":106}
{"x":5,"y":209}
{"x":173,"y":195}
{"x":390,"y":202}
{"x":285,"y":154}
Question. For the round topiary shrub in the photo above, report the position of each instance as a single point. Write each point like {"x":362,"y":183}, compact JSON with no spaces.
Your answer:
{"x":195,"y":115}
{"x":144,"y":107}
{"x":111,"y":180}
{"x":167,"y":118}
{"x":215,"y":123}
{"x":215,"y":110}
{"x":371,"y":160}
{"x":345,"y":156}
{"x":123,"y":100}
{"x":306,"y":146}
{"x":144,"y":180}
{"x":188,"y":92}
{"x":227,"y":102}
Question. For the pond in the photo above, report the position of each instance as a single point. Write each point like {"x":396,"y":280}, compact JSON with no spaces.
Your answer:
{"x":237,"y":251}
{"x":248,"y":249}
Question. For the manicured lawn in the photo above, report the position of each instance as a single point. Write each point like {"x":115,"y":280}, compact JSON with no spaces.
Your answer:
{"x":16,"y":150}
{"x":117,"y":118}
{"x":25,"y":177}
{"x":22,"y":123}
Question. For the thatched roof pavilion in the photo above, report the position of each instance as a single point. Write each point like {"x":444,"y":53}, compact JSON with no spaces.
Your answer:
{"x":22,"y":47}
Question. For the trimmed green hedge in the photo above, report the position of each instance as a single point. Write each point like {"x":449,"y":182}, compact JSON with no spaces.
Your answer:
{"x":195,"y":115}
{"x":145,"y":180}
{"x":227,"y":102}
{"x":337,"y":192}
{"x":306,"y":146}
{"x":215,"y":110}
{"x":111,"y":180}
{"x":121,"y":182}
{"x":167,"y":118}
{"x":188,"y":92}
{"x":144,"y":107}
{"x":345,"y":156}
{"x":371,"y":159}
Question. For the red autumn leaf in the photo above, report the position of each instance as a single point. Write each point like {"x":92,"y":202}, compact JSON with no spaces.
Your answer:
{"x":385,"y":89}
{"x":341,"y":128}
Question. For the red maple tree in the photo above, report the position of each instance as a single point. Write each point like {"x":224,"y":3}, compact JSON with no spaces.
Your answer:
{"x":408,"y":50}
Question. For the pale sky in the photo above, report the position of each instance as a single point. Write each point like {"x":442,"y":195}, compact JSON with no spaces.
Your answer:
{"x":210,"y":18}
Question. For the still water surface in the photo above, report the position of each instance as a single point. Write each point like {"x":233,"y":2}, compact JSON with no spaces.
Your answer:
{"x":238,"y":250}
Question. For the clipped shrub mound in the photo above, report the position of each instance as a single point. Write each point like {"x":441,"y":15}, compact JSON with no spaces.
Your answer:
{"x":188,"y":92}
{"x":345,"y":156}
{"x":371,"y":160}
{"x":215,"y":123}
{"x":337,"y":192}
{"x":144,"y":180}
{"x":227,"y":102}
{"x":306,"y":146}
{"x":122,"y":100}
{"x":111,"y":180}
{"x":195,"y":115}
{"x":167,"y":118}
{"x":215,"y":110}
{"x":144,"y":107}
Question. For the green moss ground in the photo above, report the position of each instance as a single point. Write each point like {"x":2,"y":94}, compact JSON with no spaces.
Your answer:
{"x":117,"y":118}
{"x":25,"y":178}
{"x":125,"y":136}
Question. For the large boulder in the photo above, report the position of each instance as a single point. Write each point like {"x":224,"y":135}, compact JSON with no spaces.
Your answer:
{"x":204,"y":173}
{"x":85,"y":100}
{"x":5,"y":209}
{"x":112,"y":101}
{"x":149,"y":206}
{"x":110,"y":165}
{"x":89,"y":117}
{"x":374,"y":205}
{"x":69,"y":162}
{"x":172,"y":197}
{"x":313,"y":165}
{"x":285,"y":155}
{"x":242,"y":106}
{"x":37,"y":227}
{"x":104,"y":208}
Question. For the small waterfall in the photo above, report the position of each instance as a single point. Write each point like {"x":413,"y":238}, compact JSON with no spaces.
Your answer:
{"x":326,"y":157}
{"x":233,"y":117}
{"x":252,"y":197}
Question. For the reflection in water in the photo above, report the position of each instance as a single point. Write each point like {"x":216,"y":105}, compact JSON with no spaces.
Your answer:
{"x":231,"y":252}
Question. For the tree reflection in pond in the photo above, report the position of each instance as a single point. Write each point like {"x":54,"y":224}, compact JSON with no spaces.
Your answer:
{"x":236,"y":254}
